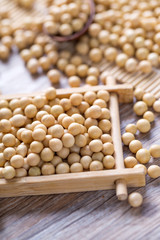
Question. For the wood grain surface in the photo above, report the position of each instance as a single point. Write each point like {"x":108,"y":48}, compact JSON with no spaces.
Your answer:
{"x":89,"y":215}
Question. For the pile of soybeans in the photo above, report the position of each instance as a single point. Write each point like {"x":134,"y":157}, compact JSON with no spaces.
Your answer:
{"x":123,"y":32}
{"x":47,"y":135}
{"x":144,"y":107}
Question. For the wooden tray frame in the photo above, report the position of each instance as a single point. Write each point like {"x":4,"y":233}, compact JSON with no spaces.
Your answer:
{"x":118,"y":178}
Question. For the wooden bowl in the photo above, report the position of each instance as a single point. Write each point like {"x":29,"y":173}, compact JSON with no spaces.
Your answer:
{"x":78,"y":34}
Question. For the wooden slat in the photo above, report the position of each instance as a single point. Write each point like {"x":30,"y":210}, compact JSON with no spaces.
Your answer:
{"x":121,"y":186}
{"x":122,"y":90}
{"x":71,"y":182}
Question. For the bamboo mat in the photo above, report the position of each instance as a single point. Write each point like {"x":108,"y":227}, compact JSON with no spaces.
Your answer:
{"x":18,"y":13}
{"x":149,"y":82}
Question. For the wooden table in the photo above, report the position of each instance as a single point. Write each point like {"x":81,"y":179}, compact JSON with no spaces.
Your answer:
{"x":90,"y":215}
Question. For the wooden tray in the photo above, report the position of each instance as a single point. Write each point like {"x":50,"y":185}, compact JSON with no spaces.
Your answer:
{"x":118,"y":178}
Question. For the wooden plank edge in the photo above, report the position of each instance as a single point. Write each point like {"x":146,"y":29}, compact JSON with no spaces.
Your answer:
{"x":71,"y":182}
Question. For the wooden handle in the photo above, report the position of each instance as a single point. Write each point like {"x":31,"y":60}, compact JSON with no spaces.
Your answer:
{"x":121,"y":186}
{"x":121,"y":189}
